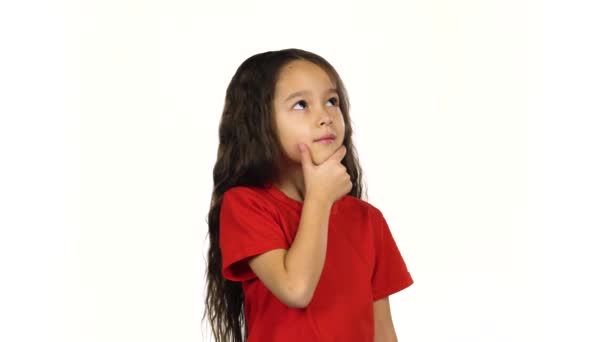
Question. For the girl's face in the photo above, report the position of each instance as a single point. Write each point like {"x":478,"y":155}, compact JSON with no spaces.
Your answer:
{"x":306,"y":108}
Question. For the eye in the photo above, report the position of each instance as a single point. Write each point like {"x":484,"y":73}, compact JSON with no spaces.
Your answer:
{"x":301,"y":101}
{"x":334,"y":100}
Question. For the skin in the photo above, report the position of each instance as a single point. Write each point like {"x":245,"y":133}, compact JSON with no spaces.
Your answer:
{"x":302,"y":119}
{"x":384,"y":330}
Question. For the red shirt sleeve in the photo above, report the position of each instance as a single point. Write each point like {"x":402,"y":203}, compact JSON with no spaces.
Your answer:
{"x":390,"y":274}
{"x":247,"y":228}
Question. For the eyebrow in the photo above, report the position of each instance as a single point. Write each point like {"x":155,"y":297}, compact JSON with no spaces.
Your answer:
{"x":302,"y":92}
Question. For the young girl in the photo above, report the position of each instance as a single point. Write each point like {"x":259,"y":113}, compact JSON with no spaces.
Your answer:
{"x":295,"y":254}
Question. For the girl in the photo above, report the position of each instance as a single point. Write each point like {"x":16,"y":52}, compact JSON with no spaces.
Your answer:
{"x":295,"y":254}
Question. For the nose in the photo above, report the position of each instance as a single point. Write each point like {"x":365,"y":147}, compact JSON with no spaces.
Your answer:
{"x":325,"y":118}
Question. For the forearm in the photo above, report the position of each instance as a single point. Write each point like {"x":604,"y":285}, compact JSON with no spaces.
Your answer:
{"x":305,"y":259}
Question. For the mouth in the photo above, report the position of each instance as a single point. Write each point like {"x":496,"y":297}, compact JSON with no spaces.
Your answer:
{"x":325,"y":140}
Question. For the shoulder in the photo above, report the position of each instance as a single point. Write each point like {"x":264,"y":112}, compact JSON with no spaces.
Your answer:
{"x":248,"y":207}
{"x":245,"y":191}
{"x":248,"y":196}
{"x":241,"y":191}
{"x":351,"y":205}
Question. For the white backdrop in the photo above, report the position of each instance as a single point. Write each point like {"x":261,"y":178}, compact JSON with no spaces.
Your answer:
{"x":480,"y":126}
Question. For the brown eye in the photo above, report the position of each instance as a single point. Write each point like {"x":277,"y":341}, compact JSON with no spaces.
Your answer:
{"x":301,"y":101}
{"x":335,"y":100}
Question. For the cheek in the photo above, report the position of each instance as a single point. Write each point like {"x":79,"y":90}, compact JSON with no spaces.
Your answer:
{"x":294,"y":133}
{"x":290,"y":137}
{"x":342,"y":127}
{"x":341,"y":122}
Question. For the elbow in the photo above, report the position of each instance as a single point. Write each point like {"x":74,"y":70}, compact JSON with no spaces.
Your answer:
{"x":301,"y":297}
{"x":303,"y":302}
{"x":299,"y":304}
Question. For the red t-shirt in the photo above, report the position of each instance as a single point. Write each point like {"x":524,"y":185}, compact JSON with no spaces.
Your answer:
{"x":362,"y":264}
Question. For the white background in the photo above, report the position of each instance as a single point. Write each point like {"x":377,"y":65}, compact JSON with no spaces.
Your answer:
{"x":481,"y":127}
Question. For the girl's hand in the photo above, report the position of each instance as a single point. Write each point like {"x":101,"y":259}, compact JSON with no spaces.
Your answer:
{"x":327,"y":181}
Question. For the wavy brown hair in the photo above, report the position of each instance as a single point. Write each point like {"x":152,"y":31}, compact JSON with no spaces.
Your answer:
{"x":248,"y":155}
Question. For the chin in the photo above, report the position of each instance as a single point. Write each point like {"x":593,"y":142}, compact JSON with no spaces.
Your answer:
{"x":321,"y":156}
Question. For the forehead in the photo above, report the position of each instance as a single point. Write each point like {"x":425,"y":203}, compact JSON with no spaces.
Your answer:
{"x":302,"y":75}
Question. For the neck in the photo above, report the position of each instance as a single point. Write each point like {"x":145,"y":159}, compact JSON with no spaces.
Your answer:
{"x":291,"y":182}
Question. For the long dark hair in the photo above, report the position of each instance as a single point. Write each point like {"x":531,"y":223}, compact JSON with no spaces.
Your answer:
{"x":248,"y":155}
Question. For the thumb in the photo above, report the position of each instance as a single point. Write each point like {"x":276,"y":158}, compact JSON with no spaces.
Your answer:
{"x":305,"y":154}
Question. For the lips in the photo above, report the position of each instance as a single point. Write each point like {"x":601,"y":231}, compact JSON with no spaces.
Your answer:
{"x":329,"y":136}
